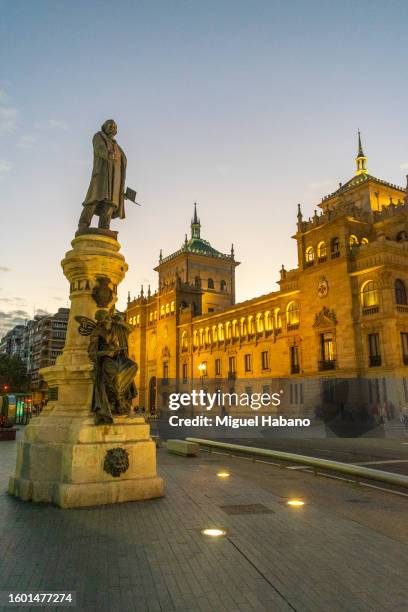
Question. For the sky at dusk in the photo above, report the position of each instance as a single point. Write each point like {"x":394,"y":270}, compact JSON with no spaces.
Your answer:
{"x":247,"y":107}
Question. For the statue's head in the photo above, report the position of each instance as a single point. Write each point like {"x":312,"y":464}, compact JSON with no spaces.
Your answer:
{"x":109,"y":127}
{"x":103,"y":317}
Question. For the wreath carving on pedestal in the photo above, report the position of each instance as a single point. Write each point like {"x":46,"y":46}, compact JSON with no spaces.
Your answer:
{"x":116,"y":461}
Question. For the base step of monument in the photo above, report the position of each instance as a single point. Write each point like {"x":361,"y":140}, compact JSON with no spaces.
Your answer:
{"x":68,"y":495}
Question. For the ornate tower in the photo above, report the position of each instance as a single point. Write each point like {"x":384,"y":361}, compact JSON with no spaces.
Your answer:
{"x":361,"y":159}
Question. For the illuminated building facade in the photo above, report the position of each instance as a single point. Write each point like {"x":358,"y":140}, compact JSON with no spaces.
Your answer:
{"x":341,"y":315}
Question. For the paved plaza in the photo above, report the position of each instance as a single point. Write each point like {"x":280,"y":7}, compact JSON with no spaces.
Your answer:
{"x":345,"y":550}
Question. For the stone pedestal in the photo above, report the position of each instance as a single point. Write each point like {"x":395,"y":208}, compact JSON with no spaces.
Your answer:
{"x":63,"y":457}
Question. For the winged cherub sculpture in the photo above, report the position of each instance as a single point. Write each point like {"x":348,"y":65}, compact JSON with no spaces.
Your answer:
{"x":114,"y":371}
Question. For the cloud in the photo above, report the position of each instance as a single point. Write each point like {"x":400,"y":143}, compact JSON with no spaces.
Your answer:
{"x":8,"y":114}
{"x":52,"y":124}
{"x":16,"y":301}
{"x":8,"y":320}
{"x":61,"y":125}
{"x":27,"y":141}
{"x":4,"y":269}
{"x":5,"y":168}
{"x":41,"y":312}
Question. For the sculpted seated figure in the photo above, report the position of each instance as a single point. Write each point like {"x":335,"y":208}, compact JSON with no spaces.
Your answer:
{"x":114,"y":387}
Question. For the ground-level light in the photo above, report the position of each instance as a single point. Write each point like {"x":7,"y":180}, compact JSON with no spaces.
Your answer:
{"x":295,"y":503}
{"x":223,"y":474}
{"x":213,"y":533}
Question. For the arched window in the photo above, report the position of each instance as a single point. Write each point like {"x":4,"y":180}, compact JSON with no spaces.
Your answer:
{"x":251,"y":325}
{"x":155,"y":315}
{"x":167,"y":309}
{"x":138,"y":319}
{"x":162,"y":311}
{"x":353,"y":240}
{"x":228,"y":330}
{"x":401,"y":236}
{"x":214,"y":333}
{"x":243,"y":326}
{"x":335,"y":247}
{"x":277,"y":319}
{"x":195,"y":339}
{"x":184,"y":341}
{"x":322,"y":250}
{"x":369,"y":294}
{"x":151,"y":317}
{"x":364,"y":241}
{"x":400,"y":292}
{"x":207,"y":335}
{"x":210,"y":283}
{"x":201,"y":332}
{"x":292,"y":314}
{"x":259,"y":323}
{"x":235,"y":329}
{"x":310,"y":254}
{"x":268,"y":321}
{"x":223,"y":285}
{"x":172,"y":307}
{"x":220,"y":332}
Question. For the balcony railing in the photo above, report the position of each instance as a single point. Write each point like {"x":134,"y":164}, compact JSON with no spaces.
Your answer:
{"x":369,"y":310}
{"x":375,"y":360}
{"x":327,"y":364}
{"x":402,"y":307}
{"x":322,"y":259}
{"x":292,"y":326}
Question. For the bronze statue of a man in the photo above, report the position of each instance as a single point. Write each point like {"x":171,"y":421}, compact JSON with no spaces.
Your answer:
{"x":106,"y":192}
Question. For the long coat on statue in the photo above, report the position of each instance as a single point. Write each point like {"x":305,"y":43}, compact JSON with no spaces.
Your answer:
{"x":108,"y":176}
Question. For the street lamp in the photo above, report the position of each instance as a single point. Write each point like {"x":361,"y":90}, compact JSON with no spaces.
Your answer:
{"x":202,"y":368}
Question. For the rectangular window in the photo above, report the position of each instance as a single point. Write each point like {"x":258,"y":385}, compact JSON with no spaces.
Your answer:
{"x":165,"y":372}
{"x":404,"y":347}
{"x":294,"y":360}
{"x":327,"y":357}
{"x":248,"y":362}
{"x":185,"y":368}
{"x":231,"y":364}
{"x":374,"y":349}
{"x":265,"y":360}
{"x":218,"y":367}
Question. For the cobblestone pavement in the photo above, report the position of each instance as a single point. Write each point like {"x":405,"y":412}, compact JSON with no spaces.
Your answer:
{"x":345,"y":550}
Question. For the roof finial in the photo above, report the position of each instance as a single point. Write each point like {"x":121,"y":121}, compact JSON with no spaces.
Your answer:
{"x":232,"y":251}
{"x":161,"y":255}
{"x":361,"y":159}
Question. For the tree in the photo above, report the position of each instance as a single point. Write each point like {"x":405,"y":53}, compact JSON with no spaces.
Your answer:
{"x":13,"y":375}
